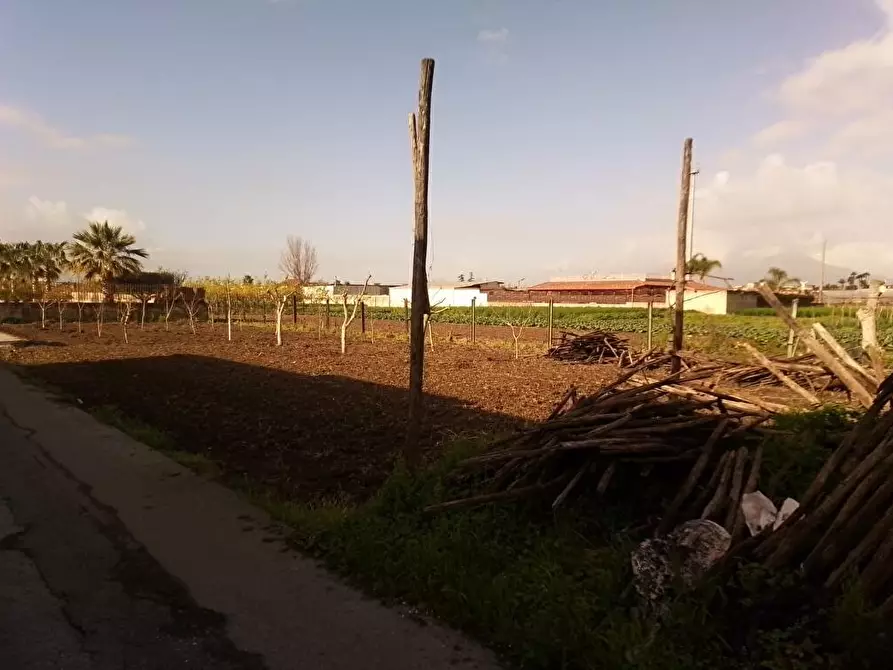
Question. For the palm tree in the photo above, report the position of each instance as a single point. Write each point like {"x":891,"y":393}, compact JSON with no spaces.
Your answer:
{"x":701,"y":266}
{"x":105,"y":253}
{"x":777,"y":279}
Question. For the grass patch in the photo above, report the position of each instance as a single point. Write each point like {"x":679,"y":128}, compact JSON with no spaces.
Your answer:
{"x":157,"y":439}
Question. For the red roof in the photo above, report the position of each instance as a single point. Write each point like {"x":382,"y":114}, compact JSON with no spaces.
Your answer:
{"x":628,"y":285}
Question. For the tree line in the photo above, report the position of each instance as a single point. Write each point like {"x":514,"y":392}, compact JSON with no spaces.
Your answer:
{"x":100,"y":252}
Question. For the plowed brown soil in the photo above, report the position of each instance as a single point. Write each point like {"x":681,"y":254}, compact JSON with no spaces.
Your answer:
{"x":300,"y":417}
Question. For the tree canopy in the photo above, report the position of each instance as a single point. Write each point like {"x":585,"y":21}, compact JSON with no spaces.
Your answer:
{"x":701,"y":266}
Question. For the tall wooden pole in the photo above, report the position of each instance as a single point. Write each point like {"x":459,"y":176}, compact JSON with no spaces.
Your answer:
{"x":681,"y":234}
{"x":420,"y":137}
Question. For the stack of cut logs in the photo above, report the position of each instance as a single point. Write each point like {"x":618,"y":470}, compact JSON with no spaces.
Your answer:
{"x":843,"y":529}
{"x":596,"y":346}
{"x":685,"y":438}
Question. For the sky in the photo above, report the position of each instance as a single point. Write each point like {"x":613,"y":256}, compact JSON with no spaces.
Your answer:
{"x":212,"y":129}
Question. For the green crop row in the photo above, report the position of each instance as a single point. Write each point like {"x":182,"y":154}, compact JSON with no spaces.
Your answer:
{"x":755,"y":328}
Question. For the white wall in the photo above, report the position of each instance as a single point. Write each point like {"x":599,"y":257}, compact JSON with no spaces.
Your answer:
{"x":708,"y":302}
{"x":441,"y":296}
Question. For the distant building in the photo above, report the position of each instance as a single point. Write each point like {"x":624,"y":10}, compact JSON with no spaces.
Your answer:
{"x":460,"y":294}
{"x":657,"y":291}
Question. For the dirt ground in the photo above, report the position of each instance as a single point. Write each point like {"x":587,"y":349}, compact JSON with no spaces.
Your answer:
{"x":301,"y":417}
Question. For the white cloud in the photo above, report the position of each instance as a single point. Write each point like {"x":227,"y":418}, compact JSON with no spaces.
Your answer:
{"x":788,"y":209}
{"x":53,"y":137}
{"x":779,"y":132}
{"x":491,"y":36}
{"x":834,"y":116}
{"x":43,"y":212}
{"x":495,"y":43}
{"x":116,"y":217}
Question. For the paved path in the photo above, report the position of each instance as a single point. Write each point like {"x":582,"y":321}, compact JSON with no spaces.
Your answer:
{"x":113,"y":556}
{"x":6,"y":339}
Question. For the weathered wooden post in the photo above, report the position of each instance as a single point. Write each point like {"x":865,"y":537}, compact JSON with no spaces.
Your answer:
{"x":363,"y":317}
{"x":551,"y":312}
{"x":420,"y":137}
{"x":327,"y":313}
{"x":294,"y":309}
{"x":794,"y":304}
{"x":650,"y":323}
{"x":681,"y":235}
{"x":474,"y":302}
{"x":406,"y":314}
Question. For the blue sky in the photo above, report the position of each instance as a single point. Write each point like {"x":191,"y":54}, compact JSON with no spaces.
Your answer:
{"x":214,"y":128}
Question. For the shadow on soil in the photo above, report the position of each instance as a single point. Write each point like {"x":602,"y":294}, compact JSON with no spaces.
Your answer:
{"x":308,"y":437}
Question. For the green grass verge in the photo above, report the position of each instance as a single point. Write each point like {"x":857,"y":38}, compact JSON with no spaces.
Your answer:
{"x":157,"y":439}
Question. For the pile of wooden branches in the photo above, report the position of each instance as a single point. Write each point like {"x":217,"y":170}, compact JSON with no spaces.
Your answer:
{"x":806,"y":370}
{"x":843,"y":529}
{"x":676,"y":437}
{"x":596,"y":346}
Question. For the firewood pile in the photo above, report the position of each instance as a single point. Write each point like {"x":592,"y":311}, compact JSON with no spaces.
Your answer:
{"x":843,"y":529}
{"x":806,"y":370}
{"x":680,"y":439}
{"x":596,"y":346}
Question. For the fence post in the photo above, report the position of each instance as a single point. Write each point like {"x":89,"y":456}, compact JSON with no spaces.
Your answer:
{"x":791,"y":345}
{"x":650,"y":323}
{"x":474,"y":302}
{"x":362,"y":317}
{"x":551,"y":310}
{"x":294,"y":309}
{"x":327,"y":313}
{"x":406,"y":314}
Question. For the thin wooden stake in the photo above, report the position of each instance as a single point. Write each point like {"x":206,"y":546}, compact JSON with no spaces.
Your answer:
{"x":474,"y":301}
{"x":551,"y":312}
{"x":650,"y":325}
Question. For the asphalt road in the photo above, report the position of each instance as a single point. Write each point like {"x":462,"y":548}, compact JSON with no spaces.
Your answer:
{"x":112,"y":556}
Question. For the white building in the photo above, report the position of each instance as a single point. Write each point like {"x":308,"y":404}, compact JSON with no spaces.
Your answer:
{"x":447,"y":295}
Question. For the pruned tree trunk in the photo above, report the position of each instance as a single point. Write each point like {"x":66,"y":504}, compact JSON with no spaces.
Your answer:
{"x":280,"y":307}
{"x":345,"y":324}
{"x":143,"y":315}
{"x":100,"y":316}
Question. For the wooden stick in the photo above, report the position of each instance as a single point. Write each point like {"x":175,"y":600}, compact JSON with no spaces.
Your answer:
{"x":606,"y":478}
{"x":735,"y":491}
{"x":787,"y":381}
{"x":809,"y":339}
{"x":570,"y":485}
{"x":716,"y":502}
{"x":844,"y":355}
{"x":512,"y":494}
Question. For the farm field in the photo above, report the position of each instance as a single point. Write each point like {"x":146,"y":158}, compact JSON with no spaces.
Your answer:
{"x":301,"y":419}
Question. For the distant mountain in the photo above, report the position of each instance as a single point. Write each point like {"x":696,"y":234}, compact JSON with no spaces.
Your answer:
{"x":748,"y":269}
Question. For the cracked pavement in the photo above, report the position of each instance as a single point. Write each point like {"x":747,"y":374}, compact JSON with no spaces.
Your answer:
{"x":114,"y":557}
